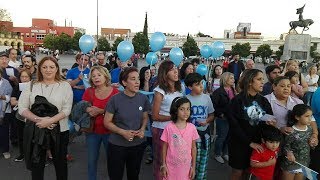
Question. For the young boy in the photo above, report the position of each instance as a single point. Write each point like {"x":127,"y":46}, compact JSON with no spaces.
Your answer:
{"x":201,"y":116}
{"x":263,"y":163}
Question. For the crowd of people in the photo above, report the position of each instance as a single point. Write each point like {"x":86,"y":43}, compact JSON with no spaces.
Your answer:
{"x":264,"y":129}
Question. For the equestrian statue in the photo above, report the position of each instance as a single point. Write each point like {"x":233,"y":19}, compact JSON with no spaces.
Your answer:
{"x":305,"y":23}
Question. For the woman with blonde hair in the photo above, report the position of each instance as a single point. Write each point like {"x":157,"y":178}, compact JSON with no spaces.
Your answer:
{"x":98,"y":95}
{"x":293,"y":65}
{"x":312,"y":81}
{"x":58,"y":94}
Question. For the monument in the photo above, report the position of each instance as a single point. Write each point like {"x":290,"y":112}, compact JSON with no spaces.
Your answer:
{"x":297,"y":46}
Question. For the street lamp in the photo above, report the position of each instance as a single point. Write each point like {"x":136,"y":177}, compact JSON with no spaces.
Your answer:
{"x":97,"y":24}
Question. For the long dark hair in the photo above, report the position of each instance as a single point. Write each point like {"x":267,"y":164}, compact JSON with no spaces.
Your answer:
{"x":176,"y":103}
{"x":247,"y":79}
{"x":183,"y":70}
{"x":142,"y":76}
{"x":298,"y":110}
{"x":214,"y":71}
{"x":164,"y":68}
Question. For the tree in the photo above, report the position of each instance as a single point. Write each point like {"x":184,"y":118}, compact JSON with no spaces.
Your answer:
{"x":140,"y":43}
{"x":145,"y":27}
{"x":200,"y":34}
{"x":103,"y":44}
{"x":279,"y":52}
{"x":264,"y":51}
{"x":4,"y":15}
{"x":64,"y":42}
{"x":190,"y":47}
{"x":50,"y":41}
{"x":116,"y":42}
{"x":242,"y":49}
{"x":313,"y":53}
{"x":75,"y":40}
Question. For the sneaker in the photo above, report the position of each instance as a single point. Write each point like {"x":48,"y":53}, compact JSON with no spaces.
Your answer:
{"x":219,"y":159}
{"x":69,"y":157}
{"x":6,"y":155}
{"x":149,"y":160}
{"x":226,"y":157}
{"x":19,"y":158}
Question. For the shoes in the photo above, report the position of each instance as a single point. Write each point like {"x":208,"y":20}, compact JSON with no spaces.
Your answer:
{"x":219,"y":159}
{"x":69,"y":157}
{"x":149,"y":160}
{"x":226,"y":157}
{"x":6,"y":155}
{"x":20,"y":158}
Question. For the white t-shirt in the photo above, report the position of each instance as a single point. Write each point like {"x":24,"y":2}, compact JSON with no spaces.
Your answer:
{"x":165,"y":106}
{"x":215,"y":84}
{"x":201,"y":107}
{"x":14,"y":64}
{"x":311,"y":80}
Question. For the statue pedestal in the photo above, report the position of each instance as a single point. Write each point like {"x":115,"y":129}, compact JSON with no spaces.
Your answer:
{"x":297,"y":46}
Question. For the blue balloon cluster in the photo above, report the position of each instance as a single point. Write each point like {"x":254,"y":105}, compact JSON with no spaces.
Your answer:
{"x":86,"y":43}
{"x":157,"y":41}
{"x":206,"y":51}
{"x":176,"y":55}
{"x":151,"y":58}
{"x":202,"y":69}
{"x":125,"y":50}
{"x":217,"y":49}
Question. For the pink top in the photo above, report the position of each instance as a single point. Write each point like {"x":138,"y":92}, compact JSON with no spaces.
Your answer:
{"x":179,"y":149}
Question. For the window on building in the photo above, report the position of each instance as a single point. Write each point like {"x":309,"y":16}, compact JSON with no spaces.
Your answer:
{"x":27,"y":35}
{"x":40,"y":36}
{"x":32,"y":35}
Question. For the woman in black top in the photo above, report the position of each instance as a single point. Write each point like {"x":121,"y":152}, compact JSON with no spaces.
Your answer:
{"x":24,"y":77}
{"x":247,"y":111}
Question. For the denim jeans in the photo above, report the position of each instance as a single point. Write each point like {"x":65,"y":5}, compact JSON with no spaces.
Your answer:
{"x":93,"y":144}
{"x":221,"y":143}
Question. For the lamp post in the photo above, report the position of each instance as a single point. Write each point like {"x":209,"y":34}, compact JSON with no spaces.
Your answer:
{"x":97,"y":24}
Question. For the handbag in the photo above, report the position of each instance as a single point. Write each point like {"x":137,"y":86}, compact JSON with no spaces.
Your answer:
{"x":92,"y":119}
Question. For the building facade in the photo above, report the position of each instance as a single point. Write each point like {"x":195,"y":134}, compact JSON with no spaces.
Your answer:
{"x":33,"y":36}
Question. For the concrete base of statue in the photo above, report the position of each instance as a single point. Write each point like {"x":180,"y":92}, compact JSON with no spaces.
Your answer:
{"x":297,"y":46}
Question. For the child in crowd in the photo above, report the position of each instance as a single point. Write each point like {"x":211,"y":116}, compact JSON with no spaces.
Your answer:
{"x":179,"y":143}
{"x":201,"y":116}
{"x":297,"y":145}
{"x":263,"y":163}
{"x":296,"y":89}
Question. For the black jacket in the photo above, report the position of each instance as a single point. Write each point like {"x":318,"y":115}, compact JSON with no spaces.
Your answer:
{"x":244,"y":123}
{"x":36,"y":139}
{"x":240,"y":68}
{"x":220,"y":101}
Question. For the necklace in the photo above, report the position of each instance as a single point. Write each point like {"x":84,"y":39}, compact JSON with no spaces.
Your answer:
{"x":46,"y":86}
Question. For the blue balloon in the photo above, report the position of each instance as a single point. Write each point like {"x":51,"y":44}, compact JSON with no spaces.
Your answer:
{"x":217,"y":49}
{"x":176,"y":55}
{"x":157,"y":41}
{"x":202,"y":69}
{"x":86,"y":43}
{"x":206,"y":51}
{"x":71,"y":127}
{"x":125,"y":50}
{"x":204,"y":84}
{"x":151,"y":58}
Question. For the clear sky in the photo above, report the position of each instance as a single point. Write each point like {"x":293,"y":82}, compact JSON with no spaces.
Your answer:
{"x":270,"y":17}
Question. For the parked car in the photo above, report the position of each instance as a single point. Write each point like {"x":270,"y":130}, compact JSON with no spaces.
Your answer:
{"x":71,"y":52}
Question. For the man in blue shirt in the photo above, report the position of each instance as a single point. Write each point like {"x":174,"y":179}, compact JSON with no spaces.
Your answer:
{"x":75,"y":76}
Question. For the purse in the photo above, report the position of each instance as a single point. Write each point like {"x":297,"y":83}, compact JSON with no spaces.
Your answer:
{"x":92,"y":119}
